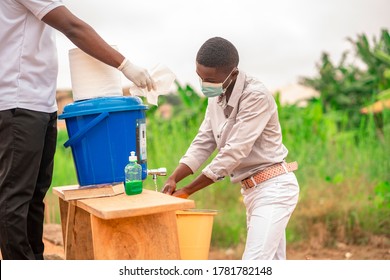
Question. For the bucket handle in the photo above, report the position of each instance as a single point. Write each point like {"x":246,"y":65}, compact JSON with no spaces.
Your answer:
{"x":81,"y":133}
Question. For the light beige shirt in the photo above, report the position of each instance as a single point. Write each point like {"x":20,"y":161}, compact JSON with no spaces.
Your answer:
{"x":246,"y":131}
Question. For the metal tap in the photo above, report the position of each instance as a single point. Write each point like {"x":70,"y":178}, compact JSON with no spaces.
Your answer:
{"x":162,"y":171}
{"x":157,"y":172}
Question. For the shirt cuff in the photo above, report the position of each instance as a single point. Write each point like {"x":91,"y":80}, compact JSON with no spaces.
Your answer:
{"x":191,"y":162}
{"x":210,"y":174}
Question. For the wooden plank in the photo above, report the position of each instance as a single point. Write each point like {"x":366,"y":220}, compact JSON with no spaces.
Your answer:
{"x":74,"y":192}
{"x":149,"y":237}
{"x":69,"y":242}
{"x":122,"y":206}
{"x":57,"y":191}
{"x":64,"y":217}
{"x":78,"y":242}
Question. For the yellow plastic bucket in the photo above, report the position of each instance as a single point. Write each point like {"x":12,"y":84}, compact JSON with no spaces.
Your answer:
{"x":194,"y":229}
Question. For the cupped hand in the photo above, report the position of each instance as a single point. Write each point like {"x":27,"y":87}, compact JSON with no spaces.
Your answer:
{"x":169,"y":187}
{"x":181,"y":193}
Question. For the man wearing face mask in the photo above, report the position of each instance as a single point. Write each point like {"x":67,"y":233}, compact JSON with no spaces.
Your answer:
{"x":241,"y":122}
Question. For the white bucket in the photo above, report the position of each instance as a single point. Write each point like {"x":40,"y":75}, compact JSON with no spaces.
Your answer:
{"x":92,"y":78}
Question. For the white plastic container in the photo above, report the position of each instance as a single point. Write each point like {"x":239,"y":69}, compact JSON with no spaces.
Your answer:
{"x":92,"y":78}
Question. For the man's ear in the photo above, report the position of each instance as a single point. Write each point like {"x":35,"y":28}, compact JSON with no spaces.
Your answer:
{"x":235,"y":73}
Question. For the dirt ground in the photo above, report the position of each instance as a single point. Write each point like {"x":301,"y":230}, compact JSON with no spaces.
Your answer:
{"x":379,"y":250}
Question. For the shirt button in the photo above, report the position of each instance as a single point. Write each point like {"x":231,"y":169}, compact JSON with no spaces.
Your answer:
{"x":217,"y":136}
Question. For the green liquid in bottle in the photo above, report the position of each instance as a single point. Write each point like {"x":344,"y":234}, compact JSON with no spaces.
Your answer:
{"x":133,"y":187}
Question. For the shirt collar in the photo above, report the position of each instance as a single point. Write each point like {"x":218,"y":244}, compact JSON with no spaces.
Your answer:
{"x":238,"y":89}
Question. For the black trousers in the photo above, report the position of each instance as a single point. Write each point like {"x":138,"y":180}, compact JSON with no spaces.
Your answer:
{"x":27,"y":146}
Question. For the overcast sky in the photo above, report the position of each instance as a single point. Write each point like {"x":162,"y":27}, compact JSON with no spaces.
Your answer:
{"x":278,"y":40}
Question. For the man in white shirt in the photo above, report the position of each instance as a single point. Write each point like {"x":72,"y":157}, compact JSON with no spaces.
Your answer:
{"x":28,"y":111}
{"x":242,"y":123}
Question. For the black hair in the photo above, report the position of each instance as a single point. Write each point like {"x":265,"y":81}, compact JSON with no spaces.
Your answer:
{"x":218,"y":52}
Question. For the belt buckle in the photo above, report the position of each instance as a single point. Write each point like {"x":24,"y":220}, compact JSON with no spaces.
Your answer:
{"x":244,"y":184}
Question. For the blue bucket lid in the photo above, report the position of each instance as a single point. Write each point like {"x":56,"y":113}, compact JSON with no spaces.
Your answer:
{"x":102,"y":104}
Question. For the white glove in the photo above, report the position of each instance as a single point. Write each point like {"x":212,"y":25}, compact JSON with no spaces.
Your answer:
{"x":139,"y":76}
{"x":163,"y":78}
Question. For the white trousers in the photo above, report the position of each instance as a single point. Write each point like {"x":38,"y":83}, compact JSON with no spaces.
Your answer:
{"x":269,"y":206}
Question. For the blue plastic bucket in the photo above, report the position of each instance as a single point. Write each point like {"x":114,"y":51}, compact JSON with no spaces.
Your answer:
{"x":102,"y":133}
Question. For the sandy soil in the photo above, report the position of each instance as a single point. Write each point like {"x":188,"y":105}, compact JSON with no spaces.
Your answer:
{"x":379,"y":250}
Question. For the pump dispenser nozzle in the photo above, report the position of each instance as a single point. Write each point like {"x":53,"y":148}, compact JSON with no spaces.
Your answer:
{"x":132,"y":156}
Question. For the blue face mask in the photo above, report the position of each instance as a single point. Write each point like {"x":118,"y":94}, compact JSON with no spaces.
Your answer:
{"x":214,"y":89}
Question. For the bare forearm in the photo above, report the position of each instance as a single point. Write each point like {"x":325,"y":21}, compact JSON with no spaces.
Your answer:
{"x":181,"y":172}
{"x":86,"y":38}
{"x":83,"y":36}
{"x":199,"y":183}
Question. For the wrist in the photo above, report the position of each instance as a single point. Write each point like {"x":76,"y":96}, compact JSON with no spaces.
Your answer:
{"x":189,"y":190}
{"x":123,"y":64}
{"x":172,"y":178}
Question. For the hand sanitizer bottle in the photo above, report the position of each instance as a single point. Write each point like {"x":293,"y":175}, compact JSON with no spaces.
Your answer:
{"x":133,"y":176}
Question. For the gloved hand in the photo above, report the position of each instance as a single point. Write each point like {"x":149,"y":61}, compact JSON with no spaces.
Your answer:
{"x":139,"y":76}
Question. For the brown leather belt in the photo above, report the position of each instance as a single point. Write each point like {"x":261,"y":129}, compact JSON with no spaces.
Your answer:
{"x":268,"y":173}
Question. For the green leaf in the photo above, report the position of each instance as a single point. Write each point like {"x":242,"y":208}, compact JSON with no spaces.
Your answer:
{"x":382,"y":194}
{"x":183,"y":95}
{"x":384,"y":95}
{"x":386,"y":74}
{"x":386,"y":39}
{"x":382,"y":56}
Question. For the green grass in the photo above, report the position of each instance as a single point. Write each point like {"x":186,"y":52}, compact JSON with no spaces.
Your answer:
{"x":339,"y":177}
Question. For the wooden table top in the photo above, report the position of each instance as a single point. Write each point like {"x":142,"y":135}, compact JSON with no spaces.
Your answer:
{"x":122,"y":205}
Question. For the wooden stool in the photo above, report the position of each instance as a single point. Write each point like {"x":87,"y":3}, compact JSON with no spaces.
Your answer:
{"x":119,"y":227}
